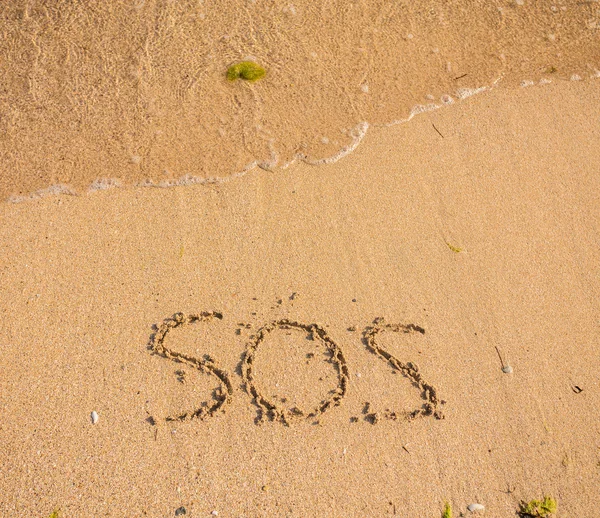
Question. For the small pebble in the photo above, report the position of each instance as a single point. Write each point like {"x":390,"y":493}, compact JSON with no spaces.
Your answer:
{"x":215,"y":513}
{"x":94,"y":417}
{"x":476,"y":507}
{"x":181,"y":511}
{"x":507,"y":369}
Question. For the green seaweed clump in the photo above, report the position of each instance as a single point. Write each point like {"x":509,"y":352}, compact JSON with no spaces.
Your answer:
{"x":247,"y":70}
{"x":537,"y":508}
{"x":447,"y":512}
{"x":55,"y":513}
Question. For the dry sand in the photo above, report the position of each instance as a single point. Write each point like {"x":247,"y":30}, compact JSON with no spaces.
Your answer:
{"x":509,"y":178}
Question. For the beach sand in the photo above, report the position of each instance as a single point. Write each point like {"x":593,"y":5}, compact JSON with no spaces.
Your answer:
{"x":476,"y":225}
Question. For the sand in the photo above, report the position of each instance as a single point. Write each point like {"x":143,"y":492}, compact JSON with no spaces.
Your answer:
{"x":352,"y":288}
{"x":473,"y":228}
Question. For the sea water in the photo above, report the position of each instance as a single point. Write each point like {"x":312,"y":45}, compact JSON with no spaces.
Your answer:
{"x":95,"y":95}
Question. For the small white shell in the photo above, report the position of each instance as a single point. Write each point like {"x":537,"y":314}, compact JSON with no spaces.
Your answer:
{"x":476,"y":507}
{"x":507,"y":369}
{"x":94,"y":417}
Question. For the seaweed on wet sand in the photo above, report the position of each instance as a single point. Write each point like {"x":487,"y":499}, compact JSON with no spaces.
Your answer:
{"x":247,"y":70}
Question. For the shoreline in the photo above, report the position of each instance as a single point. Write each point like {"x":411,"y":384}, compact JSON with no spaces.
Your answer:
{"x":357,"y":134}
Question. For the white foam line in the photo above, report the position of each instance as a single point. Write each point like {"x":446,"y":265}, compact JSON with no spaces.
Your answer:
{"x":189,"y":179}
{"x":40,"y":193}
{"x":199,"y":180}
{"x":357,"y":133}
{"x":420,"y":108}
{"x":463,"y":93}
{"x":102,"y":184}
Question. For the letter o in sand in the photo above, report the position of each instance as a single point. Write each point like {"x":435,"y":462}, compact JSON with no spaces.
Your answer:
{"x":272,"y":409}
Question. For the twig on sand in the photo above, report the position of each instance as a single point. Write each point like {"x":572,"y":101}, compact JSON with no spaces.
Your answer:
{"x":438,"y":131}
{"x":499,"y":356}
